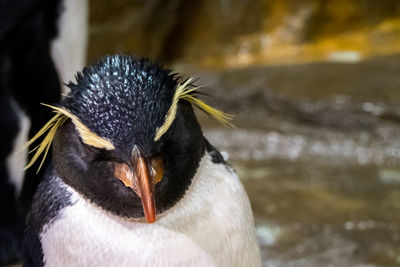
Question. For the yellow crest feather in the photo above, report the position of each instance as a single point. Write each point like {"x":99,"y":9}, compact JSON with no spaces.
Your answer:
{"x":184,"y":91}
{"x":51,"y":127}
{"x":88,"y":137}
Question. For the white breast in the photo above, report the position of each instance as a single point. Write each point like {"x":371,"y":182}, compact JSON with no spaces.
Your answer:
{"x":211,"y":226}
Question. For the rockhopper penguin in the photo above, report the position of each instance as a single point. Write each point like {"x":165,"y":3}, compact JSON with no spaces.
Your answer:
{"x":133,"y":182}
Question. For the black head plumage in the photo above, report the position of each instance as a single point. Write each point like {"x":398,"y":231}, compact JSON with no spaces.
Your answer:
{"x":121,"y":98}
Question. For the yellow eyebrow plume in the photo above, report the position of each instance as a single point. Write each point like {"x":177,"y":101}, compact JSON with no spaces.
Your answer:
{"x":51,"y":127}
{"x":88,"y":137}
{"x":184,"y":91}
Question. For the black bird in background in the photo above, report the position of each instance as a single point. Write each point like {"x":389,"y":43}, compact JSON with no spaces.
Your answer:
{"x":27,"y":77}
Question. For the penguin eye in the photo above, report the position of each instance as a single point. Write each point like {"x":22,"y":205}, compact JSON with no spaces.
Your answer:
{"x":170,"y":131}
{"x":103,"y":155}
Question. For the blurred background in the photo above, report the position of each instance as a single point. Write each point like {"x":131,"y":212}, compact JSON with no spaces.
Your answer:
{"x":315,"y":89}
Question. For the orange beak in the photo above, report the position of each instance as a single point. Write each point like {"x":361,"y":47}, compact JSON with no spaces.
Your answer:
{"x":139,"y":181}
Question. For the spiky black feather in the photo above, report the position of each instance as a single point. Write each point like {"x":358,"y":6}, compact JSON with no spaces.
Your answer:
{"x":120,"y":93}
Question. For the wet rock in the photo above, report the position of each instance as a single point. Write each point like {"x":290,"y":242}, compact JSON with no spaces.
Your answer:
{"x":389,"y":176}
{"x":268,"y":235}
{"x":316,"y":215}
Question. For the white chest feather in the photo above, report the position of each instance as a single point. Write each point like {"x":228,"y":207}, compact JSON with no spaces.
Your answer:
{"x":211,"y":226}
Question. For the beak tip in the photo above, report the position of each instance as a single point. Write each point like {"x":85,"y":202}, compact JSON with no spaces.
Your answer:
{"x":149,"y":213}
{"x":151,"y":220}
{"x":150,"y":217}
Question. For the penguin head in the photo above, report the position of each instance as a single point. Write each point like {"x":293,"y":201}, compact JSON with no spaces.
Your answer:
{"x":126,"y":136}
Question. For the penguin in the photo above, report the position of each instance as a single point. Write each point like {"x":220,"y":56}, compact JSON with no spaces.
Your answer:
{"x":27,"y":77}
{"x":132,"y":180}
{"x":41,"y":43}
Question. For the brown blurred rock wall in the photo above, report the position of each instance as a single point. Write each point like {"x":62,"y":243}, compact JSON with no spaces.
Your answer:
{"x":243,"y":32}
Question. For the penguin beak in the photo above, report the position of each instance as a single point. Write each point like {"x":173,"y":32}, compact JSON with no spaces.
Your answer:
{"x":140,"y":181}
{"x":146,"y":190}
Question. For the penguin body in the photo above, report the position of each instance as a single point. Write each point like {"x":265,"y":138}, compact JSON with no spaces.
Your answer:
{"x":78,"y":233}
{"x":90,"y":216}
